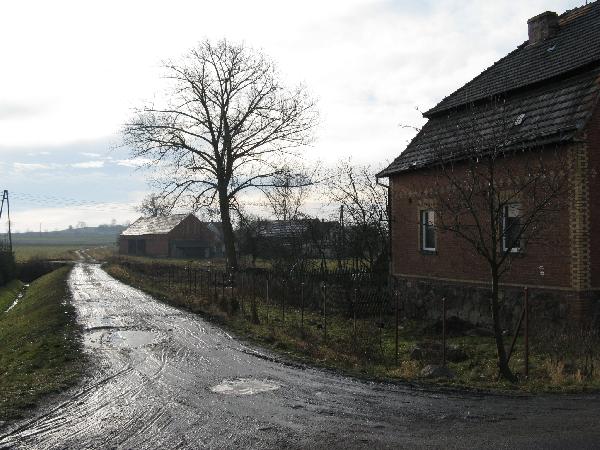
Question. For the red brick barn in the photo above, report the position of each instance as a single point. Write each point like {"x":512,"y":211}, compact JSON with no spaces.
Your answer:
{"x":550,"y":86}
{"x":177,"y":236}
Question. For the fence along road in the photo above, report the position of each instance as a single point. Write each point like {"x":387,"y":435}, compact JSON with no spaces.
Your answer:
{"x":165,"y":378}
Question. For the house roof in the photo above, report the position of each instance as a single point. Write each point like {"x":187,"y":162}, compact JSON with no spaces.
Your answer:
{"x":282,"y":228}
{"x":531,"y":97}
{"x":154,"y":225}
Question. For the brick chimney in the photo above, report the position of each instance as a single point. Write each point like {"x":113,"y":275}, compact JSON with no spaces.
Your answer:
{"x":542,"y":27}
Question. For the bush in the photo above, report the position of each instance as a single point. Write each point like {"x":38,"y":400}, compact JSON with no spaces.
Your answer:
{"x":8,"y":268}
{"x":34,"y":269}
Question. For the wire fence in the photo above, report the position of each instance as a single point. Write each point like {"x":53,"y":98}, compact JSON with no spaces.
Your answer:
{"x":357,"y":312}
{"x":338,"y":306}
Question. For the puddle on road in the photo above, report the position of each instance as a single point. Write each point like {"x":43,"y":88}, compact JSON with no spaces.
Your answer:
{"x":244,"y":386}
{"x":121,"y":338}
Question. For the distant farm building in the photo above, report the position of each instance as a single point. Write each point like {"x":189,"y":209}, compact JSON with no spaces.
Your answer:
{"x":175,"y":236}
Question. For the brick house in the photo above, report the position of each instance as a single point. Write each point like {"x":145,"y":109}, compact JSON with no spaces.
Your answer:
{"x":177,"y":236}
{"x":551,"y":86}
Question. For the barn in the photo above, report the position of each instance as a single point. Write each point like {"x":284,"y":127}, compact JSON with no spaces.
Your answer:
{"x":174,"y":236}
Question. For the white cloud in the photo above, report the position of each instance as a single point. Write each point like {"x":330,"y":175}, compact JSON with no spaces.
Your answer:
{"x":90,"y":155}
{"x":137,"y":162}
{"x":88,"y":165}
{"x":29,"y":167}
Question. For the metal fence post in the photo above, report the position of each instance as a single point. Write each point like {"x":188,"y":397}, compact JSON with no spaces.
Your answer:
{"x":444,"y":331}
{"x":268,"y":303}
{"x":223,"y":284}
{"x":325,"y":311}
{"x":254,"y":310}
{"x":526,"y":333}
{"x":397,"y":322}
{"x":302,"y":306}
{"x":240,"y":294}
{"x":283,"y":294}
{"x":354,"y":312}
{"x":215,"y":285}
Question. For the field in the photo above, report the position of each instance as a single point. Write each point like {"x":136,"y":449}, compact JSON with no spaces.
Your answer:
{"x":62,"y":245}
{"x":51,"y":252}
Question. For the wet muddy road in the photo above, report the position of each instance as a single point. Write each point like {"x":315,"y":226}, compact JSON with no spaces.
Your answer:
{"x":167,"y":379}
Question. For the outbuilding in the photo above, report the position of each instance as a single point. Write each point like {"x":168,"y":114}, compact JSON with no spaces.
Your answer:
{"x":176,"y":236}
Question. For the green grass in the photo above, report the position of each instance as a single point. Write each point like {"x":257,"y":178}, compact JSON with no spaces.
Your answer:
{"x":39,"y":345}
{"x":370,"y":350}
{"x":8,"y":294}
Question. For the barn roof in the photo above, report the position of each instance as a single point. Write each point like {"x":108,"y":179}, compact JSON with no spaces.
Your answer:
{"x":154,"y":225}
{"x":541,"y":93}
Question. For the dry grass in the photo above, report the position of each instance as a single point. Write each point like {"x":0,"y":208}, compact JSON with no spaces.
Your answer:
{"x":368,"y":351}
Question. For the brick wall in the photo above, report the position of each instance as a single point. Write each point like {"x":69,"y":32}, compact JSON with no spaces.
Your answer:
{"x":192,"y":229}
{"x":455,"y":259}
{"x":593,"y":148}
{"x":157,"y":245}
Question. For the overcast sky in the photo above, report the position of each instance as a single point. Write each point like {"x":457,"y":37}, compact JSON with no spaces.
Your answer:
{"x":72,"y":71}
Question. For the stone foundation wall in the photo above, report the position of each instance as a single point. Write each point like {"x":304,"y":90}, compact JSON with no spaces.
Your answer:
{"x":422,"y":300}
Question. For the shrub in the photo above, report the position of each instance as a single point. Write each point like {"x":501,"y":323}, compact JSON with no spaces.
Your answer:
{"x":7,"y":267}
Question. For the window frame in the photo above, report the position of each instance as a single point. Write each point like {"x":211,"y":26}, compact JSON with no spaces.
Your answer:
{"x":505,"y":216}
{"x":424,"y":225}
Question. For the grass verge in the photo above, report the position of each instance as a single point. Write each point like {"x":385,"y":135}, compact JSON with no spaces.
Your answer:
{"x":363,"y":348}
{"x":39,"y":345}
{"x":8,"y":294}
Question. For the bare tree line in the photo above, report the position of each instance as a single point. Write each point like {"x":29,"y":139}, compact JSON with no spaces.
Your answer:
{"x":228,"y":126}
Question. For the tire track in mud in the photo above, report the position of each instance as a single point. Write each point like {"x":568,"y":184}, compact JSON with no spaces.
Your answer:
{"x":156,"y":366}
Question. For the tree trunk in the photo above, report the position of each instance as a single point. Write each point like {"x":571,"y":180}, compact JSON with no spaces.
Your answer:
{"x":503,"y":368}
{"x":228,"y":236}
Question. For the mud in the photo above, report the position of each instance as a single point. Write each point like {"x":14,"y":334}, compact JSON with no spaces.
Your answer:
{"x":164,"y":378}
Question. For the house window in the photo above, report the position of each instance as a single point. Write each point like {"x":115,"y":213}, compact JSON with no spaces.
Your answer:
{"x":511,"y":228}
{"x":428,"y":230}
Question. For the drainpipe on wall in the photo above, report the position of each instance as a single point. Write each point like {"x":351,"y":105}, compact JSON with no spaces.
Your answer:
{"x":389,"y":221}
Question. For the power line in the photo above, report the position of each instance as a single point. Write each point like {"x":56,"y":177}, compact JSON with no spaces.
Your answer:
{"x":51,"y":201}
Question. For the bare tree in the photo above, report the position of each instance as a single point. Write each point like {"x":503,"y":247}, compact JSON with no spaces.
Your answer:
{"x":363,"y":210}
{"x":154,"y":205}
{"x":497,"y":196}
{"x":290,"y":191}
{"x":226,"y":127}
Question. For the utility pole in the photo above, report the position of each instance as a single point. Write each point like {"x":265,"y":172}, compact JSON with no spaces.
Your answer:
{"x":342,"y":238}
{"x":5,"y":199}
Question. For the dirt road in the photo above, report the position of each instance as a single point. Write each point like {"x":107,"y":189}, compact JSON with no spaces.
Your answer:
{"x":165,"y":378}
